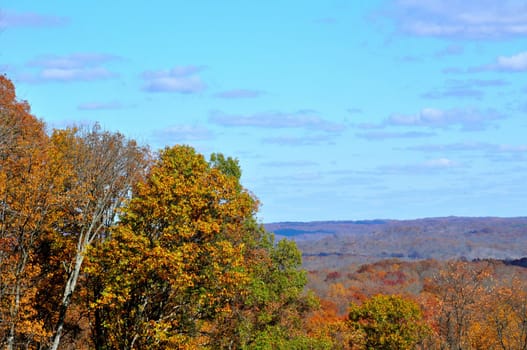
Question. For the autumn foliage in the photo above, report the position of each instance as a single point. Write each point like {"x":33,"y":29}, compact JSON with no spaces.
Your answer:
{"x":103,"y":245}
{"x":106,"y":245}
{"x":27,"y":200}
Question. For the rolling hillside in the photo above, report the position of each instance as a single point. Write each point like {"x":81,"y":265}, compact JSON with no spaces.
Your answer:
{"x":339,"y":243}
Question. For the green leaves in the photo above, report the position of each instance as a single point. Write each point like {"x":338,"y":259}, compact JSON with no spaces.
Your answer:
{"x":228,"y":166}
{"x":387,"y":322}
{"x":183,"y":230}
{"x":150,"y":253}
{"x":187,"y":263}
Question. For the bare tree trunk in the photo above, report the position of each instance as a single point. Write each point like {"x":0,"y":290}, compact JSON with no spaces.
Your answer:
{"x":66,"y":299}
{"x":105,"y":166}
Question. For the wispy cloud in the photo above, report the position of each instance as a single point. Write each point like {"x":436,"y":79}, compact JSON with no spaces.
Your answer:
{"x":514,"y":63}
{"x":180,"y":79}
{"x":383,"y":135}
{"x":76,"y":60}
{"x":292,"y":164}
{"x":454,"y":92}
{"x":482,"y":19}
{"x":463,"y":89}
{"x":430,"y":166}
{"x":293,"y":179}
{"x":10,"y":19}
{"x":304,"y":119}
{"x":182,"y":133}
{"x":315,"y":140}
{"x":512,"y":148}
{"x":92,"y":106}
{"x":369,"y":126}
{"x":453,"y":70}
{"x":489,"y":151}
{"x":74,"y":67}
{"x":440,"y":163}
{"x":450,"y":50}
{"x":468,"y":119}
{"x":410,"y":58}
{"x":76,"y":74}
{"x":238,"y":94}
{"x":471,"y":146}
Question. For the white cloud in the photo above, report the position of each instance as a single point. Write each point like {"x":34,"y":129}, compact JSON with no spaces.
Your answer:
{"x":305,"y":119}
{"x":299,"y":141}
{"x":74,"y":67}
{"x":471,"y":88}
{"x":471,"y":147}
{"x":180,"y":79}
{"x":468,"y":119}
{"x":85,"y":74}
{"x":430,"y":166}
{"x":489,"y":151}
{"x":91,"y":106}
{"x":75,"y":60}
{"x":513,"y":149}
{"x":481,"y":19}
{"x":383,"y":135}
{"x":440,"y":163}
{"x":178,"y":71}
{"x":10,"y":19}
{"x":513,"y":63}
{"x":182,"y":133}
{"x":184,"y":85}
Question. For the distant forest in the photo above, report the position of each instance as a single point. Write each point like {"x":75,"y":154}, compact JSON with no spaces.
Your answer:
{"x":338,"y":243}
{"x":106,"y":244}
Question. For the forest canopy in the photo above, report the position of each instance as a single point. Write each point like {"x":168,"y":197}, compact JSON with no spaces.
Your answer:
{"x":105,"y":244}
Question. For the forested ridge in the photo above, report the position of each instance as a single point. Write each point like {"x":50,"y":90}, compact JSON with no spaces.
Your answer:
{"x":105,"y":244}
{"x":341,"y":243}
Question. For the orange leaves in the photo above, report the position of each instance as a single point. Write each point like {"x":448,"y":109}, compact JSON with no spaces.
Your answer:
{"x":58,"y":195}
{"x":183,"y":263}
{"x":27,"y":201}
{"x":326,"y":323}
{"x":503,"y":323}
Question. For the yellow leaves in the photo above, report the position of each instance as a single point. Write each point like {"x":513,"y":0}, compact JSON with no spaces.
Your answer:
{"x":189,"y":200}
{"x":388,"y":322}
{"x":504,"y":319}
{"x":183,"y":234}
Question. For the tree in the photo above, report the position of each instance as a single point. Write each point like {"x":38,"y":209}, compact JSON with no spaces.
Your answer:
{"x":327,"y":324}
{"x":63,"y":191}
{"x":272,"y":314}
{"x":459,"y":288}
{"x":386,"y":322}
{"x":175,"y":260}
{"x":502,"y":321}
{"x":183,"y":264}
{"x":27,"y":201}
{"x":99,"y":169}
{"x":188,"y":266}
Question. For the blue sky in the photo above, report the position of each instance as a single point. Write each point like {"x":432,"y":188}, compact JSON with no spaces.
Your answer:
{"x":335,"y":109}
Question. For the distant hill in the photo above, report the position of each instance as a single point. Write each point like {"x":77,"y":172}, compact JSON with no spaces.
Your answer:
{"x":338,"y":243}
